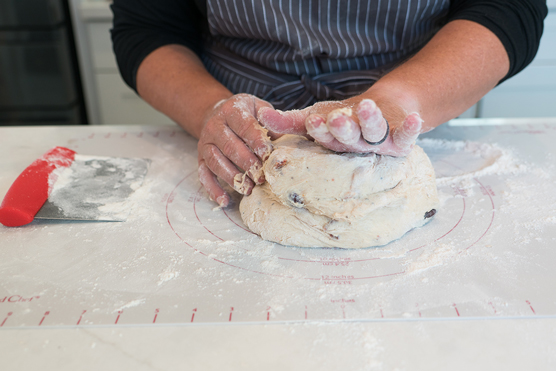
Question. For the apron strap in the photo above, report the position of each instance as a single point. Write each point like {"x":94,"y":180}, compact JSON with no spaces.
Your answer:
{"x":284,"y":91}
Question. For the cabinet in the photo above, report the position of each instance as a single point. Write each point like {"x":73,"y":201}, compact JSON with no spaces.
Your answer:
{"x":109,"y":100}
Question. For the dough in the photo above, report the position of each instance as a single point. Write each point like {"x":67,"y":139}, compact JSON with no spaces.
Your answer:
{"x":314,"y":197}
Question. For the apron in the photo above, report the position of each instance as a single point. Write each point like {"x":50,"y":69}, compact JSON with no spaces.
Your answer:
{"x":293,"y":53}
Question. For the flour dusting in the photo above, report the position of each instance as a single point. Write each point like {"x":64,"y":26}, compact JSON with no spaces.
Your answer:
{"x":169,"y":274}
{"x":131,"y":304}
{"x":492,"y":159}
{"x":94,"y":188}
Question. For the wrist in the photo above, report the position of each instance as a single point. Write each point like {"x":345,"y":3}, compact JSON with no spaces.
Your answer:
{"x":205,"y":108}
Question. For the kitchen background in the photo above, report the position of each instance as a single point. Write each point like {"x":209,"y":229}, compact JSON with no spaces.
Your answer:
{"x":57,"y":67}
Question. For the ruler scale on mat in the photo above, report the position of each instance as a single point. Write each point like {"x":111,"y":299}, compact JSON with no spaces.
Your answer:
{"x":487,"y":254}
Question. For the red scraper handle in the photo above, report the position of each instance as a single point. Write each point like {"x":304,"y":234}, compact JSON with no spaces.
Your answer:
{"x":31,"y":188}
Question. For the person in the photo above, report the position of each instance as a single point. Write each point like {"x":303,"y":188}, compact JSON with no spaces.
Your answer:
{"x":353,"y":75}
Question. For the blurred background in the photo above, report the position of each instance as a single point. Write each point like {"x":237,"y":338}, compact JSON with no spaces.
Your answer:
{"x":57,"y":68}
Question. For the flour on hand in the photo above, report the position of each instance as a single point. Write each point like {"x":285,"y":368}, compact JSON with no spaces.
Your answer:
{"x":314,"y":197}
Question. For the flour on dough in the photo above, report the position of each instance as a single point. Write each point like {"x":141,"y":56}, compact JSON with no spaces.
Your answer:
{"x":314,"y":197}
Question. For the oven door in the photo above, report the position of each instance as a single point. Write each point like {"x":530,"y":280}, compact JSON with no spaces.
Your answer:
{"x":31,"y":13}
{"x":39,"y":81}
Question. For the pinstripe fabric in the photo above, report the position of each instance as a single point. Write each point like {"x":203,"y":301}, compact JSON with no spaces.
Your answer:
{"x":296,"y":52}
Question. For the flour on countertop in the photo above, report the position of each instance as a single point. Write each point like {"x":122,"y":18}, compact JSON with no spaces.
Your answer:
{"x":175,"y":248}
{"x":131,"y":304}
{"x":94,"y":188}
{"x":496,"y":160}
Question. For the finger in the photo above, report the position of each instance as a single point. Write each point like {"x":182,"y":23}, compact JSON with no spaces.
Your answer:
{"x":321,"y":135}
{"x":360,"y":147}
{"x":372,"y":123}
{"x":247,"y":127}
{"x":243,"y":184}
{"x":211,"y":185}
{"x":342,"y":127}
{"x":259,"y":104}
{"x":405,"y":136}
{"x":316,"y":128}
{"x":221,"y":166}
{"x":283,"y":122}
{"x":235,"y":150}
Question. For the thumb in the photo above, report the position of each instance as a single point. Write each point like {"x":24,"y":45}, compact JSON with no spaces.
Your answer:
{"x":283,"y":122}
{"x":405,"y":135}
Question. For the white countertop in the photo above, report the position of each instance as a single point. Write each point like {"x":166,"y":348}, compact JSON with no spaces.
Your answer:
{"x":433,"y":345}
{"x":490,"y":305}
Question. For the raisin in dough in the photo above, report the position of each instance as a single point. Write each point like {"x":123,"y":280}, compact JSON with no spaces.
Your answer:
{"x":314,"y":197}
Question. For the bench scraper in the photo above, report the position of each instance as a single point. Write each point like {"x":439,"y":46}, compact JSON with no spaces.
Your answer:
{"x":65,"y":185}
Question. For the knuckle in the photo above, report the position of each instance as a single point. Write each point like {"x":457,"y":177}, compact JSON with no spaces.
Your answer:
{"x":210,"y":158}
{"x":226,"y":109}
{"x":244,"y":96}
{"x":246,"y":128}
{"x":211,"y":126}
{"x":228,"y":148}
{"x":213,"y":166}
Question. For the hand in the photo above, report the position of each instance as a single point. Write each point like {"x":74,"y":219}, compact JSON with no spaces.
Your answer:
{"x":349,"y":126}
{"x":232,"y":146}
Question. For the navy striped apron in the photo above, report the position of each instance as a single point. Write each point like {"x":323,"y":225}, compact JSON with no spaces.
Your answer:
{"x":294,"y":53}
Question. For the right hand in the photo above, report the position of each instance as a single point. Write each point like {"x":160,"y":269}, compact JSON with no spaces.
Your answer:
{"x":232,"y":146}
{"x":349,"y":125}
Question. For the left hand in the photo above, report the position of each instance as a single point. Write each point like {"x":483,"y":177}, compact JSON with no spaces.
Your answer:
{"x":348,"y":126}
{"x":232,"y":146}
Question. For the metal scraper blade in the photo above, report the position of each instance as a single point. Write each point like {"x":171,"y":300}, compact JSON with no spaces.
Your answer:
{"x":94,"y":188}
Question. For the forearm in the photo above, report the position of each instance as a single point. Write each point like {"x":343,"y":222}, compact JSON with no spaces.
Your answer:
{"x":460,"y":64}
{"x":174,"y":81}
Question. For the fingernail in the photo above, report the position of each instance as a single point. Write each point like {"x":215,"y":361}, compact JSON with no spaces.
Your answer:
{"x":222,"y":200}
{"x":314,"y":121}
{"x":264,"y":152}
{"x":256,"y":173}
{"x":242,"y":184}
{"x":341,"y":112}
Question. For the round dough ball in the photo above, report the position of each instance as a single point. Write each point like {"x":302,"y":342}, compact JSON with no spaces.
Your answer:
{"x":314,"y":197}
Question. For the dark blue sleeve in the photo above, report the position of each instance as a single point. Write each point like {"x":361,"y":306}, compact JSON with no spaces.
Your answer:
{"x":517,"y":23}
{"x":141,"y":26}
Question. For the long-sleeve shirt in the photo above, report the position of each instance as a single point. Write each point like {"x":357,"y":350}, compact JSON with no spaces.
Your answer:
{"x":141,"y":26}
